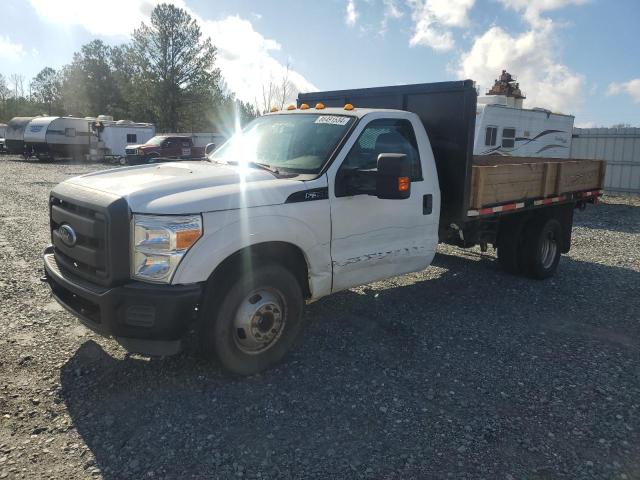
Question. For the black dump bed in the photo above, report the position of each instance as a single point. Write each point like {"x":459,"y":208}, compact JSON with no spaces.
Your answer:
{"x":448,"y":113}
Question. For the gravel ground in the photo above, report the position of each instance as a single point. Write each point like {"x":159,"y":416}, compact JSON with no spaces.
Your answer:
{"x":459,"y":371}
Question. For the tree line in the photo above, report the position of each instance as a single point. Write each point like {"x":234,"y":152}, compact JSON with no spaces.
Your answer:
{"x":165,"y":75}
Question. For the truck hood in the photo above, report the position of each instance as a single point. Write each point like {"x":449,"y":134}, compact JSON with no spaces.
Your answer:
{"x":190,"y":187}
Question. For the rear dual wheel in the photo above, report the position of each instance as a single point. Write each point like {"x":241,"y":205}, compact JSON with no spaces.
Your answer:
{"x":532,"y":248}
{"x":541,"y":249}
{"x":510,"y":242}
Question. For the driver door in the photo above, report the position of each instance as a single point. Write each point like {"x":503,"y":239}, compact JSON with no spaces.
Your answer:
{"x":375,"y":238}
{"x":171,"y":148}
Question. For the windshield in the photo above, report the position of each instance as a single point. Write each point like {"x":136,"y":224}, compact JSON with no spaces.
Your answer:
{"x":155,"y":141}
{"x":299,"y":143}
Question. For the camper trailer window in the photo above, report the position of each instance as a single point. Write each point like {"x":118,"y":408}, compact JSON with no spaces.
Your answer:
{"x":490,"y":136}
{"x":70,"y":132}
{"x":508,"y":137}
{"x":132,"y":138}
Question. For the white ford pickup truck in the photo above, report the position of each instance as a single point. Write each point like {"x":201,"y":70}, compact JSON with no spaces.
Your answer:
{"x":301,"y":204}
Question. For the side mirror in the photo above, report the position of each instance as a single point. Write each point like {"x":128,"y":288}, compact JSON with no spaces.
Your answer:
{"x":393,"y":179}
{"x":209,"y":148}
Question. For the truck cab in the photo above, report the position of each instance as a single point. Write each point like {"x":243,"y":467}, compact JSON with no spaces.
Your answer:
{"x":318,"y":209}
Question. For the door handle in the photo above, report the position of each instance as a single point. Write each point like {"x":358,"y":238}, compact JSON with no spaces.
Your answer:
{"x":427,"y":204}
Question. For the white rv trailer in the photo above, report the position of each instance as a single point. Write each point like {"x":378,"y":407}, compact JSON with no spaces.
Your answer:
{"x":14,"y":136}
{"x":55,"y":137}
{"x":503,"y":129}
{"x":116,"y":136}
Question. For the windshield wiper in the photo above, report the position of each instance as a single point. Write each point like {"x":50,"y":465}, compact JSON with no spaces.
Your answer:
{"x":261,"y":166}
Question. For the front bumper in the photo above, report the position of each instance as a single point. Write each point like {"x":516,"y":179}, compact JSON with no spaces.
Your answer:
{"x":144,"y":318}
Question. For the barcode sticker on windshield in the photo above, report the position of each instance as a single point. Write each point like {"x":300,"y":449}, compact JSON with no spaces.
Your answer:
{"x":332,"y":120}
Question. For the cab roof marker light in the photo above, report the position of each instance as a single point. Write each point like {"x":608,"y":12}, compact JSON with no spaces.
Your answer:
{"x":274,"y":109}
{"x":291,"y":107}
{"x":304,"y":106}
{"x":348,"y":107}
{"x":319,"y":106}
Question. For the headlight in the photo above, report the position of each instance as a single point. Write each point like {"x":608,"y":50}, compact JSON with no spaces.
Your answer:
{"x":140,"y":151}
{"x":160,"y":242}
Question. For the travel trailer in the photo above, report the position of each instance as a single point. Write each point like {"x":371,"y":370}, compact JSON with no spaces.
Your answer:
{"x":14,"y":136}
{"x":115,"y":136}
{"x":503,"y":127}
{"x":55,"y":137}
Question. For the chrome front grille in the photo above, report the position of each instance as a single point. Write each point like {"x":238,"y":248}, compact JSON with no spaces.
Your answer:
{"x":98,"y":251}
{"x":88,"y":255}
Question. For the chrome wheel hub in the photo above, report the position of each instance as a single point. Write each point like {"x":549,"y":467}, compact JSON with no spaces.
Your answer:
{"x":259,"y":321}
{"x":549,"y":250}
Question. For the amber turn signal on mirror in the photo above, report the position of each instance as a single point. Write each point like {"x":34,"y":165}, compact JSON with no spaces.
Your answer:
{"x":403,"y":184}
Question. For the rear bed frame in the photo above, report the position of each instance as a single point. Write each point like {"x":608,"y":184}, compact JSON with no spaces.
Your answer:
{"x":502,"y":184}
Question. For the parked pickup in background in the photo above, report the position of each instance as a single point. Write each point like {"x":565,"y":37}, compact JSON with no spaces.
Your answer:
{"x":162,"y":147}
{"x":302,"y":204}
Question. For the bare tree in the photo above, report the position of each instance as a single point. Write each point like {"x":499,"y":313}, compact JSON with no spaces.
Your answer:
{"x":277,"y":94}
{"x":286,"y":89}
{"x":267,"y":95}
{"x":5,"y":92}
{"x":17,"y":80}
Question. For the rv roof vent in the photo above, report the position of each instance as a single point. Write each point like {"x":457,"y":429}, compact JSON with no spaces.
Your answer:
{"x":105,"y":118}
{"x":124,"y":122}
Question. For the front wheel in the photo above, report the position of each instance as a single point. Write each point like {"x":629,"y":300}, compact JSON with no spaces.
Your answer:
{"x":253,"y":325}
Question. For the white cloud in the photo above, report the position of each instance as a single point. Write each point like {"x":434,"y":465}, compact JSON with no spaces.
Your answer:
{"x":391,"y":12}
{"x":118,"y":18}
{"x":433,"y":20}
{"x":533,"y":8}
{"x":351,"y":16}
{"x":531,"y":55}
{"x":244,"y":55}
{"x":632,"y":88}
{"x":9,"y":50}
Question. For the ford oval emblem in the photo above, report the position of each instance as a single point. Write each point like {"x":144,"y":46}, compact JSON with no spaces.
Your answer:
{"x":67,"y":235}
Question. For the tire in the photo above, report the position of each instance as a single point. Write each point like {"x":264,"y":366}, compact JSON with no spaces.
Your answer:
{"x":510,"y":243}
{"x":251,"y":325}
{"x":152,"y":158}
{"x":123,"y":161}
{"x":542,"y":247}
